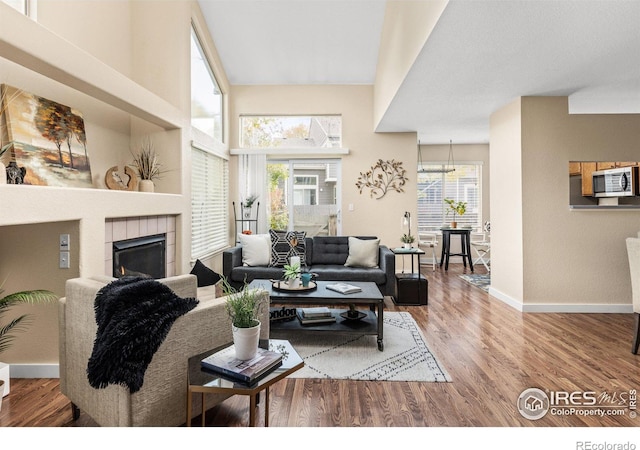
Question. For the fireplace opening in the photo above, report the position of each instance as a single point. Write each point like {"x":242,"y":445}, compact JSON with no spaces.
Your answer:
{"x":144,"y":256}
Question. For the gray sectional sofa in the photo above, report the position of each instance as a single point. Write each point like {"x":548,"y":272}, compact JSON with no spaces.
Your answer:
{"x":325,"y":256}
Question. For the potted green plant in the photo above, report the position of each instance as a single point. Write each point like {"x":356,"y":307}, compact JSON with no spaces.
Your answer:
{"x":407,"y":240}
{"x":19,"y":323}
{"x":458,"y":208}
{"x":244,"y":307}
{"x":147,"y":165}
{"x":292,"y":274}
{"x":248,"y":204}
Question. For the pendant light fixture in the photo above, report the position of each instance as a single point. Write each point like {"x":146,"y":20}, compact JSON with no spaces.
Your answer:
{"x":450,"y":162}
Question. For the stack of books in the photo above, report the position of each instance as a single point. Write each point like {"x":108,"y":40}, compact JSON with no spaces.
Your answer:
{"x":225,"y":363}
{"x":310,"y":316}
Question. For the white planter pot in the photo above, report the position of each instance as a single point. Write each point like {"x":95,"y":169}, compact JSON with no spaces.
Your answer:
{"x":246,"y":341}
{"x":146,"y":186}
{"x":294,"y":283}
{"x":407,"y":245}
{"x":4,"y":376}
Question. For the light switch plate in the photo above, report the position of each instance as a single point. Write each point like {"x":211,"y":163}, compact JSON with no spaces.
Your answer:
{"x":64,"y":243}
{"x":64,"y":260}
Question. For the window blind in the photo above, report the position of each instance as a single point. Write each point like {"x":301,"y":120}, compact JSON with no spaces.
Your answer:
{"x":463,"y":184}
{"x":209,"y":203}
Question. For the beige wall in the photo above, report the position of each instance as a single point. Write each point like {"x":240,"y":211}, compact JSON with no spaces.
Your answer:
{"x":506,"y":204}
{"x":355,"y":103}
{"x":29,"y":260}
{"x":100,"y":27}
{"x":572,"y":260}
{"x":406,"y":27}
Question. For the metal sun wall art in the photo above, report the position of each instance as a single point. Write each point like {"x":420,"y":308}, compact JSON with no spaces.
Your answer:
{"x":49,"y":140}
{"x":382,"y":176}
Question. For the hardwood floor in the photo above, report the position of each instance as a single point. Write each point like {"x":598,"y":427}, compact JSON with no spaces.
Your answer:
{"x":491,"y":351}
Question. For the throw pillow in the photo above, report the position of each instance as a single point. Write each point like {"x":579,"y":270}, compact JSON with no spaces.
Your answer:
{"x":256,"y":249}
{"x":205,"y":276}
{"x":285,"y":244}
{"x":362,"y":252}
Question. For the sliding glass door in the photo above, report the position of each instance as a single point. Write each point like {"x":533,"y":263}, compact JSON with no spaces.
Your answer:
{"x":304,"y":195}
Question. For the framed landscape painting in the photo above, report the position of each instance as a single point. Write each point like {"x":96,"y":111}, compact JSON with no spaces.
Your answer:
{"x":48,"y":139}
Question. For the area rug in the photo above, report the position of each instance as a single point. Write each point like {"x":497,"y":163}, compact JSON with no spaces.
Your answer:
{"x":483,"y":281}
{"x":406,"y":355}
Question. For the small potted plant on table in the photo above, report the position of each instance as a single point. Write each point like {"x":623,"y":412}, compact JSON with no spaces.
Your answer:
{"x":292,"y":274}
{"x":407,"y":240}
{"x":243,"y":307}
{"x":458,"y":208}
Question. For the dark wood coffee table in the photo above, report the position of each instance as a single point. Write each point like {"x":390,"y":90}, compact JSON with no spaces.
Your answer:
{"x":370,"y":295}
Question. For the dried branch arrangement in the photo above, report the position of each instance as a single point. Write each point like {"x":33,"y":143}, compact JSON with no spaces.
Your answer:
{"x":146,"y":161}
{"x":384,"y":175}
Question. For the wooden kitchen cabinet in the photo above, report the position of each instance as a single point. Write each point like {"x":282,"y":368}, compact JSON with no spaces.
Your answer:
{"x":603,"y":165}
{"x":575,"y":167}
{"x":587,"y":181}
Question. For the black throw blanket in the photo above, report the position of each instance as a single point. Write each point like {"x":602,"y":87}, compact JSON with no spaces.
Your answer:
{"x":134,"y":316}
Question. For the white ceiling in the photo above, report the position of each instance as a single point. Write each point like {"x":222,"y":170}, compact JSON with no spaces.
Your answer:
{"x":481,"y":55}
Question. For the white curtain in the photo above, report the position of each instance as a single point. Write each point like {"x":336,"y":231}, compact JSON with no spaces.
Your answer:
{"x":252,"y":176}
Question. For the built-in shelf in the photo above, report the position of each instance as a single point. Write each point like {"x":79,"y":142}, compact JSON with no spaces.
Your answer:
{"x":22,"y":204}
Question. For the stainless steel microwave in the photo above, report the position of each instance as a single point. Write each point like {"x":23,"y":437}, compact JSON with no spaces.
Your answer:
{"x":619,"y":182}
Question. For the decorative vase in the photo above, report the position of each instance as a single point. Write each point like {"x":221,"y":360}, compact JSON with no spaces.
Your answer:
{"x":146,"y":186}
{"x":3,"y":173}
{"x":246,"y":212}
{"x":246,"y":341}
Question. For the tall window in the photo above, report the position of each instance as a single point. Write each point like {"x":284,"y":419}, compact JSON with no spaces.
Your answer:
{"x":206,"y":97}
{"x":209,"y":165}
{"x":209,"y":200}
{"x":463,"y":184}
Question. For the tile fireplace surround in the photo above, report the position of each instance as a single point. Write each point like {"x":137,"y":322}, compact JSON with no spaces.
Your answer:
{"x":135,"y":227}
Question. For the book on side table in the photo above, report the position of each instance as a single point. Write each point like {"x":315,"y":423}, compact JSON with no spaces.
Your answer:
{"x":344,"y":288}
{"x":226,"y":363}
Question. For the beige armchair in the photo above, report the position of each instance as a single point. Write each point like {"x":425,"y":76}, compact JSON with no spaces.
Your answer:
{"x":633,"y":252}
{"x":162,"y":399}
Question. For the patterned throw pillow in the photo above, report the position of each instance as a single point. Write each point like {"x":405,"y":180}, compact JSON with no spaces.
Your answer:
{"x":284,"y":245}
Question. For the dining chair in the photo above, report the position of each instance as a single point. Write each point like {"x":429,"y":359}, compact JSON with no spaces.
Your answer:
{"x":481,"y":245}
{"x":429,"y":240}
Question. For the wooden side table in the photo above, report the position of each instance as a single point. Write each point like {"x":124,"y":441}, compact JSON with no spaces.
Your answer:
{"x":207,"y":382}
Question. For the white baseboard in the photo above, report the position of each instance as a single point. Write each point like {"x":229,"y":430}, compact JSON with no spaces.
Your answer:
{"x":35,"y":371}
{"x":561,"y":307}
